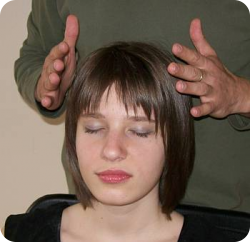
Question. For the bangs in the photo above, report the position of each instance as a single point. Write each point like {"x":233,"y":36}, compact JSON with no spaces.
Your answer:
{"x":122,"y":69}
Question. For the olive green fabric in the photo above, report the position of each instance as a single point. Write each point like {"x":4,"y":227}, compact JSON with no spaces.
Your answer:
{"x":221,"y":177}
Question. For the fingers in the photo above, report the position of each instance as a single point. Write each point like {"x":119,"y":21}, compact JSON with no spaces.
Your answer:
{"x":197,"y":89}
{"x":186,"y":72}
{"x":49,"y":80}
{"x":51,"y":74}
{"x":70,"y":38}
{"x":202,"y":110}
{"x":54,"y":65}
{"x":58,"y":52}
{"x":204,"y":75}
{"x":203,"y":48}
{"x":192,"y":57}
{"x":52,"y":82}
{"x":71,"y":31}
{"x":46,"y":102}
{"x":58,"y":68}
{"x":198,"y":39}
{"x":58,"y":65}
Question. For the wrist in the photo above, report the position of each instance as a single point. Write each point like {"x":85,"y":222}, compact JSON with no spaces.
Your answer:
{"x":242,"y":105}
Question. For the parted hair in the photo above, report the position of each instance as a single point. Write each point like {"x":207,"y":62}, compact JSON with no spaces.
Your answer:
{"x":139,"y":73}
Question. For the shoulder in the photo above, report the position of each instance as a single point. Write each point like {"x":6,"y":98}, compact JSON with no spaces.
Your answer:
{"x":196,"y":228}
{"x":44,"y":224}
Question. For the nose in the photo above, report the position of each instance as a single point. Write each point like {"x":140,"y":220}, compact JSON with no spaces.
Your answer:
{"x":114,"y":148}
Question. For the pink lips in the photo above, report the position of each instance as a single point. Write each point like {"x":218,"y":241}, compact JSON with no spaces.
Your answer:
{"x":114,"y":176}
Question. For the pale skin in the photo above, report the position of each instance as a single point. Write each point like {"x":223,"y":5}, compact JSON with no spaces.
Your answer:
{"x":221,"y":92}
{"x":112,"y":139}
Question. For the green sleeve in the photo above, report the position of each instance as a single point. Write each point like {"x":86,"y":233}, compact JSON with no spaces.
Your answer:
{"x":45,"y":30}
{"x":239,"y":122}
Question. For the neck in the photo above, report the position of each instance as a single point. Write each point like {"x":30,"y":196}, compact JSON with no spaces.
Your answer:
{"x":140,"y":220}
{"x":129,"y":219}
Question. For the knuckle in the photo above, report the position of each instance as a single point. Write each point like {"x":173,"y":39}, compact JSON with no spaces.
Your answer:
{"x":48,"y":66}
{"x":204,"y":89}
{"x":181,"y":70}
{"x":195,"y":57}
{"x":195,"y":74}
{"x":52,"y":53}
{"x":211,"y":107}
{"x":206,"y":109}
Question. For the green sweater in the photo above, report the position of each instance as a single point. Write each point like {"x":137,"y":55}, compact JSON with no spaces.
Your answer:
{"x":221,"y":177}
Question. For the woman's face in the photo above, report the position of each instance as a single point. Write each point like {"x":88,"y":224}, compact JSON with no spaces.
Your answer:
{"x":120,"y":156}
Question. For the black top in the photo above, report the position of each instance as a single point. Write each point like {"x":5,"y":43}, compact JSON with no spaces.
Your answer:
{"x":44,"y":225}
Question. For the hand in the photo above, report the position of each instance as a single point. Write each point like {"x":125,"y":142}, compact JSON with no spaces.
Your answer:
{"x":58,"y":69}
{"x":221,"y":93}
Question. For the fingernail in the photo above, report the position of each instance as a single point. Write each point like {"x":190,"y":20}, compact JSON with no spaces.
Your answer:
{"x":195,"y":112}
{"x":178,"y":48}
{"x":182,"y":85}
{"x":173,"y":68}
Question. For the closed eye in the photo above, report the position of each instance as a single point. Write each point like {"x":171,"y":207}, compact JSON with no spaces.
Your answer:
{"x":92,"y":131}
{"x":141,"y":134}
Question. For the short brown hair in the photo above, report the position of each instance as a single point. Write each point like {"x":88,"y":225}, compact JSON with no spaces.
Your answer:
{"x":139,"y":74}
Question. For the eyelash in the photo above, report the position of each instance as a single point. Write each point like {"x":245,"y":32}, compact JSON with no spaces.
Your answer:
{"x":141,"y":135}
{"x":92,"y":131}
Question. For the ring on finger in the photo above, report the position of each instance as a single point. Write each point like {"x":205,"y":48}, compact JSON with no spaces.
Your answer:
{"x":201,"y":76}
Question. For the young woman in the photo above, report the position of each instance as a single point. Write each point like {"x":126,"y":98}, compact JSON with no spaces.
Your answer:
{"x":130,"y":146}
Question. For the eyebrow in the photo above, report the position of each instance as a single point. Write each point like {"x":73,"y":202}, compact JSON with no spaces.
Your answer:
{"x":132,"y":118}
{"x":140,"y":119}
{"x":93,"y":115}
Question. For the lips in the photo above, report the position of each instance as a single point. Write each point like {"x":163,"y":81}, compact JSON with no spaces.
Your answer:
{"x":114,"y":176}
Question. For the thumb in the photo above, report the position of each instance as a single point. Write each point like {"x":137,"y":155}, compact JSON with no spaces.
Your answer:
{"x":71,"y":31}
{"x":199,"y":40}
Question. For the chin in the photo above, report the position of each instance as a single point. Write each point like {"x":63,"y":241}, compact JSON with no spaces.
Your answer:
{"x":115,"y":198}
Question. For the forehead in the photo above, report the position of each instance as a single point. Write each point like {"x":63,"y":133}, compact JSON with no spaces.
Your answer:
{"x":111,"y":103}
{"x":112,"y":106}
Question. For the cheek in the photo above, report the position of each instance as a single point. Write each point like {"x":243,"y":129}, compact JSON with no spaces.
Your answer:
{"x":86,"y":159}
{"x":151,"y":149}
{"x":153,"y":165}
{"x":151,"y":157}
{"x":85,"y":151}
